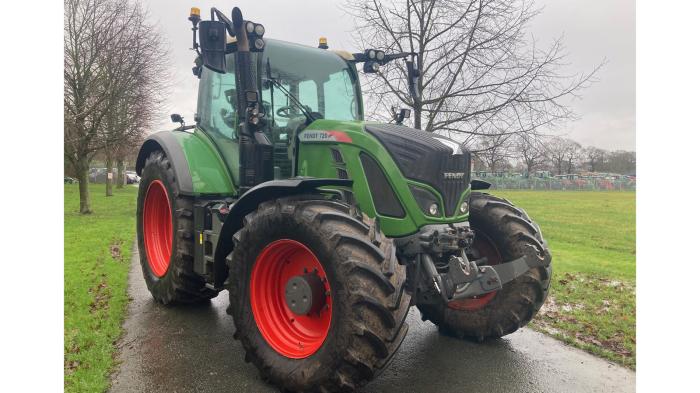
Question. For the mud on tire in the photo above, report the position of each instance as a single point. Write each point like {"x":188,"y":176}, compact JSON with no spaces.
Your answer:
{"x":369,"y":306}
{"x":511,"y":232}
{"x":179,"y":284}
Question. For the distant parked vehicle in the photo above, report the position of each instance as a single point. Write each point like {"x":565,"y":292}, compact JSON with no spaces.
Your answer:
{"x":97,"y":175}
{"x":132,"y":177}
{"x":69,"y":180}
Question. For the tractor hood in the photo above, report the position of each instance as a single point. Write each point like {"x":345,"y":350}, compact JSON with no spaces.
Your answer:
{"x":427,"y":158}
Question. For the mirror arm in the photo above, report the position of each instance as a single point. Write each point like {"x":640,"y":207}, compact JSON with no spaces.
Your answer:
{"x":222,"y":18}
{"x":412,"y":74}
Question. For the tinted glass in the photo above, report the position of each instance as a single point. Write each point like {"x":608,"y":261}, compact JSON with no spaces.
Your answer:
{"x":319,"y":79}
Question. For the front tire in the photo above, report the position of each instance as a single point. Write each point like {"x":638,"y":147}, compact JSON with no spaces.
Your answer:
{"x":165,"y":232}
{"x":361,"y":320}
{"x":503,"y":233}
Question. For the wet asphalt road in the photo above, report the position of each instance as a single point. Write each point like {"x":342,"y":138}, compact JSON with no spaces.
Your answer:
{"x":191,"y":349}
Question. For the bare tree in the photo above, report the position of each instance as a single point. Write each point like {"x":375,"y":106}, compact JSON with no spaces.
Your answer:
{"x":531,"y":151}
{"x":573,"y":152}
{"x":562,"y":151}
{"x":593,"y":157}
{"x":89,"y":27}
{"x":480,"y":72}
{"x":620,"y":161}
{"x":97,"y":35}
{"x":138,"y":61}
{"x":494,"y":152}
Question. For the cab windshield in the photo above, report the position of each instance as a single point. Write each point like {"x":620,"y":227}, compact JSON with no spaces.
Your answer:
{"x":319,"y":80}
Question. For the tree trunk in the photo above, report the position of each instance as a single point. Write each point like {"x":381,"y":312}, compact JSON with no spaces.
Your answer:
{"x":108,"y":175}
{"x":82,"y":167}
{"x":416,"y":117}
{"x":120,"y":173}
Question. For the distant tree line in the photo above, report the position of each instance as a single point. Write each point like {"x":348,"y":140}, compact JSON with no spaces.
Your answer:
{"x":114,"y":77}
{"x":529,"y":153}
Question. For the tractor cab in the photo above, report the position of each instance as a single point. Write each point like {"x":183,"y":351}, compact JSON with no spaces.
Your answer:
{"x":296,"y":85}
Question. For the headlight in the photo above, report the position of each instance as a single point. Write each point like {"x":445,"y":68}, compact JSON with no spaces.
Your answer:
{"x":433,"y":209}
{"x":371,"y":54}
{"x":250,"y":27}
{"x":380,"y":55}
{"x":259,"y":43}
{"x":427,"y":201}
{"x":464,"y":207}
{"x":259,"y":30}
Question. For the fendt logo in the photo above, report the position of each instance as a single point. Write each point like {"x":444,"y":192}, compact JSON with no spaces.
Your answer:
{"x":453,"y":175}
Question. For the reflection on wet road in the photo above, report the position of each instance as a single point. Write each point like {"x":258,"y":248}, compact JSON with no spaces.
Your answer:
{"x":191,"y":349}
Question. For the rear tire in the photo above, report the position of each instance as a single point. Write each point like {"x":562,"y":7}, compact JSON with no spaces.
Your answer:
{"x":172,"y":279}
{"x":367,"y":301}
{"x":509,"y":232}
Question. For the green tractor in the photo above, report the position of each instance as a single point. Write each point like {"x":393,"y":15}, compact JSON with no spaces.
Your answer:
{"x":324,"y":228}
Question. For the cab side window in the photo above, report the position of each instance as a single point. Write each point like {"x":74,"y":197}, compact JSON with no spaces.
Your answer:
{"x":217,"y":102}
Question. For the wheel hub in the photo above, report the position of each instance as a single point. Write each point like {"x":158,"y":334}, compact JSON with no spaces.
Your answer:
{"x":305,"y":294}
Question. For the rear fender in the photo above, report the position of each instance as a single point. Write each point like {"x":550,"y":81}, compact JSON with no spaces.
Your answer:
{"x":200,"y":168}
{"x":166,"y":141}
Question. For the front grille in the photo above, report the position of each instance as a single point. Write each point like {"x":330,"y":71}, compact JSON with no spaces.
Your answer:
{"x":422,"y":157}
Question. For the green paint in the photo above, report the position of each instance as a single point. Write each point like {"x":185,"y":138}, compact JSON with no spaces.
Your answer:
{"x":213,"y":164}
{"x":315,"y":160}
{"x":209,"y":170}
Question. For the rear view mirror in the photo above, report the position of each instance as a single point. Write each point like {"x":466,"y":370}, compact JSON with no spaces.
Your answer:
{"x":176,"y":118}
{"x":400,"y":114}
{"x":212,"y":43}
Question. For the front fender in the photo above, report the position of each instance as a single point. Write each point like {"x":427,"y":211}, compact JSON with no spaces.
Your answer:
{"x":249,"y":201}
{"x":477,"y":184}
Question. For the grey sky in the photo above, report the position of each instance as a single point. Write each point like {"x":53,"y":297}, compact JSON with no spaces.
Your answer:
{"x":593,"y":30}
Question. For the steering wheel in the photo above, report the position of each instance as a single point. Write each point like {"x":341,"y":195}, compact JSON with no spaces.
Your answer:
{"x":285,"y":112}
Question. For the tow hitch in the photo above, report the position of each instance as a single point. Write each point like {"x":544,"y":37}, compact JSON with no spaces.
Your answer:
{"x":460,"y":278}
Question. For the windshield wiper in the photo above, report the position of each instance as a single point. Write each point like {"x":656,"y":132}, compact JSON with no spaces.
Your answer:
{"x":294,"y":100}
{"x":289,"y":95}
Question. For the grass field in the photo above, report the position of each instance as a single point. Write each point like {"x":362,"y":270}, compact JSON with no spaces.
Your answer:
{"x":97,"y":248}
{"x":592,"y":239}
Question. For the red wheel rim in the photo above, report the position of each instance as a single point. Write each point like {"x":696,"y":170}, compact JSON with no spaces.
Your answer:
{"x":157,"y":228}
{"x":291,"y":335}
{"x":485,"y":248}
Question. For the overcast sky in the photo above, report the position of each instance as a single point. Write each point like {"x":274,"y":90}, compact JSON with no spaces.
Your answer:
{"x":593,"y":31}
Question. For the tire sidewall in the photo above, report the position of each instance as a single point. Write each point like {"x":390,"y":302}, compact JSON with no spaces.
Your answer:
{"x":507,"y":249}
{"x":151,"y":172}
